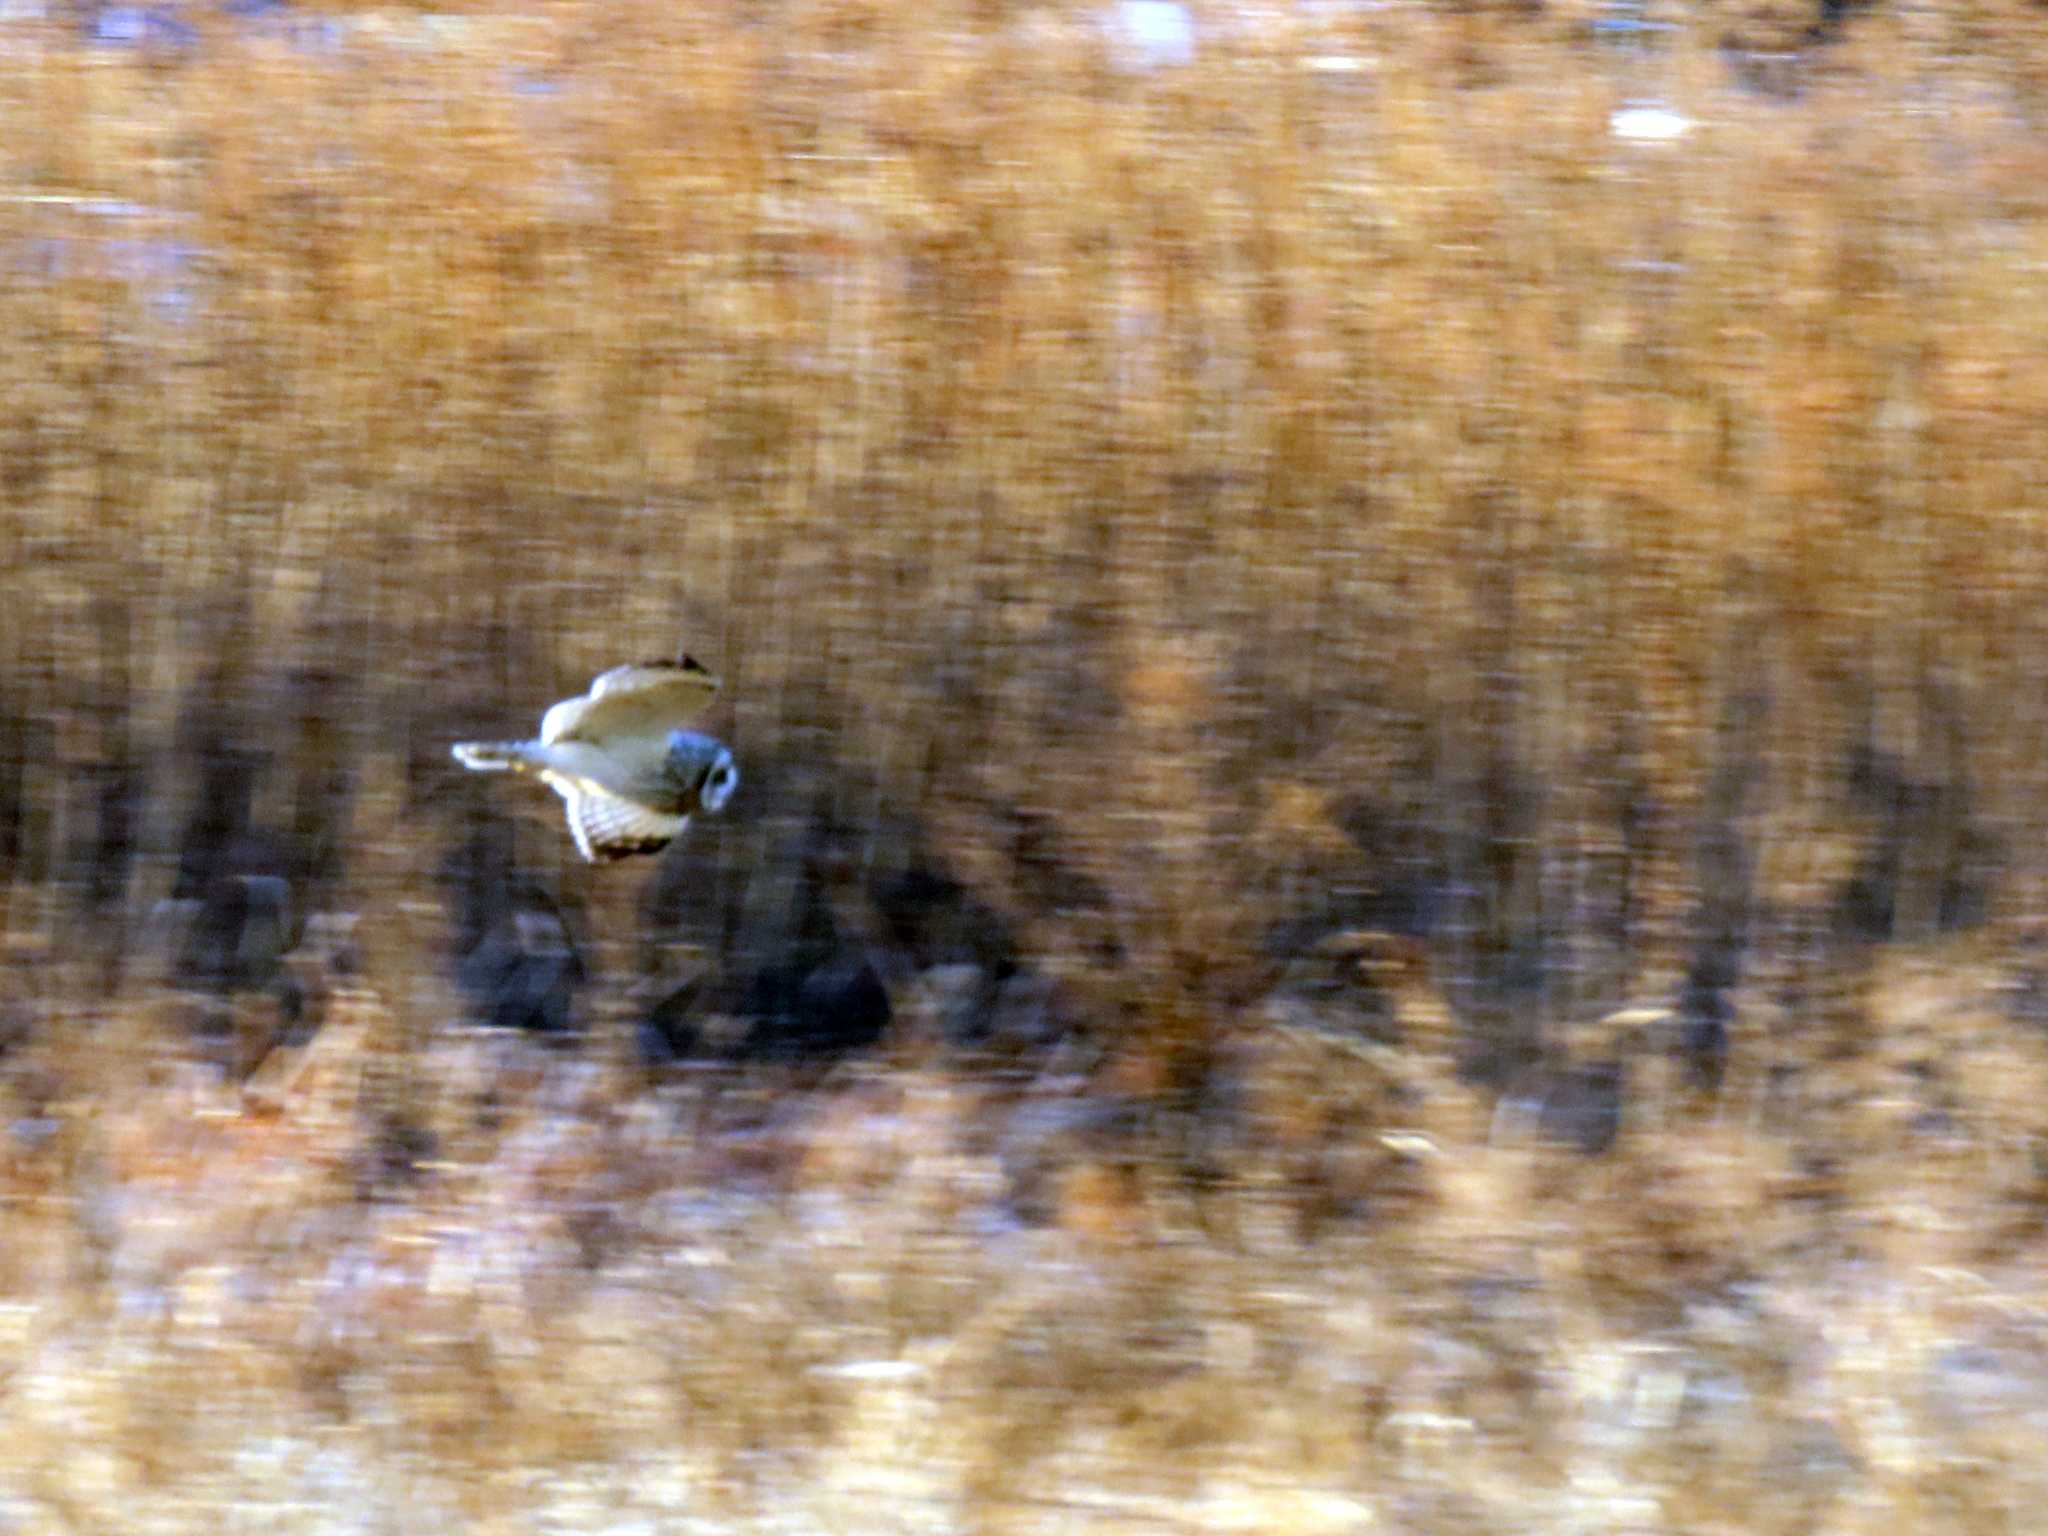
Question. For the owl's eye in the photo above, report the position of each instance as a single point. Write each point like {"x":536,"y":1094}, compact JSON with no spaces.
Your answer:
{"x":718,"y":783}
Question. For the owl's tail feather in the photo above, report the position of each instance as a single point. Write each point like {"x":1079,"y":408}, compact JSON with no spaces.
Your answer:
{"x":496,"y":756}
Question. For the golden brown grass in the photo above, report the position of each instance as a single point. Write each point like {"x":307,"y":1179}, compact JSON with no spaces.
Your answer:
{"x":1333,"y":485}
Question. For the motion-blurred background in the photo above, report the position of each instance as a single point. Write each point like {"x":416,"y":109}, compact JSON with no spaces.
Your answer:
{"x":1388,"y":659}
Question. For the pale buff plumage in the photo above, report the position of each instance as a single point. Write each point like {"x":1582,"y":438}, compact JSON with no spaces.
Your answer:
{"x":628,"y":773}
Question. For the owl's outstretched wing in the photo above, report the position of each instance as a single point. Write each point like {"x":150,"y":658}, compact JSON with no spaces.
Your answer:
{"x":641,"y":699}
{"x":608,"y":826}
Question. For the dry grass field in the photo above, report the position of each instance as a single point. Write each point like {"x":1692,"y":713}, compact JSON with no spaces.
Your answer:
{"x":1391,"y":872}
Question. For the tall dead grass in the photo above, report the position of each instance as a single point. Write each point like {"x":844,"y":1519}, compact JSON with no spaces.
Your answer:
{"x":1334,"y":484}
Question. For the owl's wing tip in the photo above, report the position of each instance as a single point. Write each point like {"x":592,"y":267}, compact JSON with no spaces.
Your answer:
{"x":611,"y":853}
{"x":608,"y":826}
{"x":682,"y":663}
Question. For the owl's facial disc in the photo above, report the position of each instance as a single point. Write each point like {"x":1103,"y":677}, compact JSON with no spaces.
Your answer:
{"x":701,"y":770}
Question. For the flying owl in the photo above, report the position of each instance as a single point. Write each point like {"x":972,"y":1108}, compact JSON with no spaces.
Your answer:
{"x":630,"y":775}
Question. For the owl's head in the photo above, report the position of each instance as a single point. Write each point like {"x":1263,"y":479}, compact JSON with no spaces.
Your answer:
{"x":703,"y":768}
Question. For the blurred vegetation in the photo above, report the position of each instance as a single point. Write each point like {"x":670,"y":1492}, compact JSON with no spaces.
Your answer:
{"x":1306,"y":577}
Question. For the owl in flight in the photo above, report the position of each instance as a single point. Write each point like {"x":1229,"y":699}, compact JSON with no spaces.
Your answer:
{"x":617,"y":755}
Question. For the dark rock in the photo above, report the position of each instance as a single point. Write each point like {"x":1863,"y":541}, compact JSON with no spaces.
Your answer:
{"x":669,"y":1032}
{"x":516,"y":958}
{"x":119,"y":798}
{"x":239,"y":934}
{"x":219,"y":818}
{"x":1580,"y":1106}
{"x":1575,"y":1104}
{"x":523,"y":970}
{"x":242,"y":923}
{"x":829,"y":1010}
{"x":1703,"y":1014}
{"x":934,"y":920}
{"x":23,"y":742}
{"x":1029,"y":1013}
